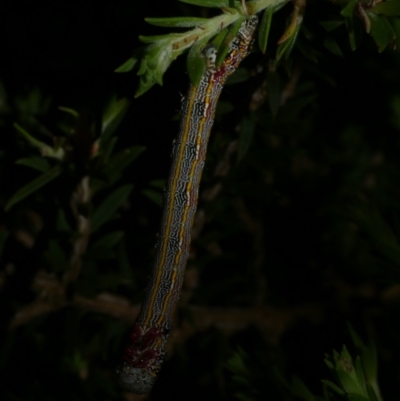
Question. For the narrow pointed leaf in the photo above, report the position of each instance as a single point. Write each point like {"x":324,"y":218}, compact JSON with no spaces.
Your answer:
{"x":109,"y":240}
{"x":45,"y":149}
{"x":284,"y":48}
{"x":155,"y":61}
{"x":391,"y":8}
{"x":348,"y":10}
{"x":301,"y":390}
{"x":127,"y":66}
{"x":107,"y":148}
{"x":308,"y":51}
{"x":381,"y":31}
{"x":176,"y":22}
{"x":33,"y":186}
{"x":35,"y":162}
{"x":348,"y":14}
{"x":226,"y":43}
{"x":334,"y":387}
{"x":109,"y":206}
{"x":121,"y":161}
{"x":371,"y":393}
{"x":265,"y":27}
{"x":217,"y":41}
{"x":131,"y":62}
{"x":69,"y":111}
{"x":333,"y":47}
{"x":208,"y":3}
{"x":113,"y":117}
{"x":330,"y":25}
{"x":158,"y":38}
{"x":154,"y":196}
{"x":195,"y":61}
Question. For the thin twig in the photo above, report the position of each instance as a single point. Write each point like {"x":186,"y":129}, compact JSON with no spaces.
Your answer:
{"x":80,"y":201}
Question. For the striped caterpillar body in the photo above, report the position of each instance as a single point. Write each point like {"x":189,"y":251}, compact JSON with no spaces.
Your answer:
{"x":143,"y":358}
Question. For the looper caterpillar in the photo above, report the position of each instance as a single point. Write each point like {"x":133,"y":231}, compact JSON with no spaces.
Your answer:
{"x":143,"y":358}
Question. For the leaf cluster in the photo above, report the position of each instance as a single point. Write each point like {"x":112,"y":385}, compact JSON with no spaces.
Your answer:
{"x":379,"y":19}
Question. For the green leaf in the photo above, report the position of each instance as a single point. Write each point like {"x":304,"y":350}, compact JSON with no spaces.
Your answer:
{"x":109,"y":240}
{"x":330,"y":25}
{"x":32,"y":103}
{"x":113,"y":116}
{"x":246,"y":134}
{"x":217,"y":41}
{"x":308,"y":51}
{"x":348,"y":10}
{"x":286,"y":45}
{"x":371,"y":393}
{"x":158,"y":183}
{"x":33,"y":186}
{"x":348,"y":14}
{"x":237,"y":363}
{"x":301,"y":390}
{"x":158,"y":38}
{"x":332,"y":46}
{"x":281,"y":379}
{"x":131,"y":62}
{"x":226,"y":43}
{"x":208,"y":3}
{"x":264,"y":29}
{"x":355,"y":337}
{"x":35,"y":162}
{"x":360,"y":376}
{"x":368,"y":356}
{"x":155,"y":61}
{"x":333,"y":386}
{"x":45,"y":149}
{"x":154,"y":196}
{"x":381,"y":31}
{"x":390,"y":8}
{"x":107,"y":148}
{"x":69,"y":111}
{"x":195,"y":61}
{"x":121,"y":161}
{"x":109,"y":206}
{"x":127,"y":65}
{"x":177,"y":22}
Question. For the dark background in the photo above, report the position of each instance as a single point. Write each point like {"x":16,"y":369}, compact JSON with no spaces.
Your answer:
{"x":300,"y":240}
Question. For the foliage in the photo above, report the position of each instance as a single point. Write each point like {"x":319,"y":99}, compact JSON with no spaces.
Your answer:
{"x":163,"y":49}
{"x":354,"y":379}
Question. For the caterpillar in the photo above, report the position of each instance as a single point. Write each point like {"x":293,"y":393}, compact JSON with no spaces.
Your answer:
{"x":144,"y":357}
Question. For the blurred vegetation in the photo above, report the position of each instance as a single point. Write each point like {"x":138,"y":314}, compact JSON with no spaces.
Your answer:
{"x":298,"y":224}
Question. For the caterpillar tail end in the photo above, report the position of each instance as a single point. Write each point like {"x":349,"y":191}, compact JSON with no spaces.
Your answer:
{"x":136,"y":380}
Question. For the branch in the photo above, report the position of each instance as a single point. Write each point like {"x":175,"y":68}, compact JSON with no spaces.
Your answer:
{"x":80,"y":201}
{"x":271,"y":321}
